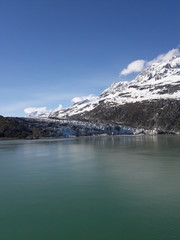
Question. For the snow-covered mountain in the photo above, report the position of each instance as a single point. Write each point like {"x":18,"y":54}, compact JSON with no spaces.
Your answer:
{"x":158,"y":81}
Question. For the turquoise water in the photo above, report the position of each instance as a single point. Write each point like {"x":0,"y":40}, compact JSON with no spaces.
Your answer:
{"x":90,"y":188}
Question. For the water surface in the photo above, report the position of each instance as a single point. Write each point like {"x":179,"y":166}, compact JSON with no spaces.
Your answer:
{"x":97,"y":188}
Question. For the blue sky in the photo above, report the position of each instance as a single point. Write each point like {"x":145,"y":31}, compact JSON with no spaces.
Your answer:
{"x":54,"y":50}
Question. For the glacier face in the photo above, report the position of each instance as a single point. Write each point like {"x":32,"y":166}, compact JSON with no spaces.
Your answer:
{"x":158,"y":81}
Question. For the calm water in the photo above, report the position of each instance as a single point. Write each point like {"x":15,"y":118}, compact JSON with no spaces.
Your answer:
{"x":90,"y":189}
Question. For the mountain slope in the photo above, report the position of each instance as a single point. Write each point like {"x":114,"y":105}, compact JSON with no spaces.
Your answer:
{"x":159,"y":116}
{"x":158,"y":81}
{"x":151,"y":100}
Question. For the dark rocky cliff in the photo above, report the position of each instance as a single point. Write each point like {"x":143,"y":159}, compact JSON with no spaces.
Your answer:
{"x":164,"y":115}
{"x":12,"y":128}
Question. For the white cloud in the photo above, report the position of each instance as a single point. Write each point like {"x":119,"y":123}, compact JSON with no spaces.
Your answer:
{"x":140,"y":65}
{"x":135,"y":66}
{"x":35,"y":99}
{"x":83,"y":98}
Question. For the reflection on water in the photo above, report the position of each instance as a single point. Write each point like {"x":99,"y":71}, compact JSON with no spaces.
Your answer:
{"x":119,"y":187}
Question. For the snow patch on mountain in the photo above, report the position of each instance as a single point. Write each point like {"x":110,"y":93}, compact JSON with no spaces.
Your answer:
{"x":90,"y":97}
{"x":40,"y":112}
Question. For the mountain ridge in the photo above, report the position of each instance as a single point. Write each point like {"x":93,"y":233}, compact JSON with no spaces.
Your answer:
{"x":158,"y":81}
